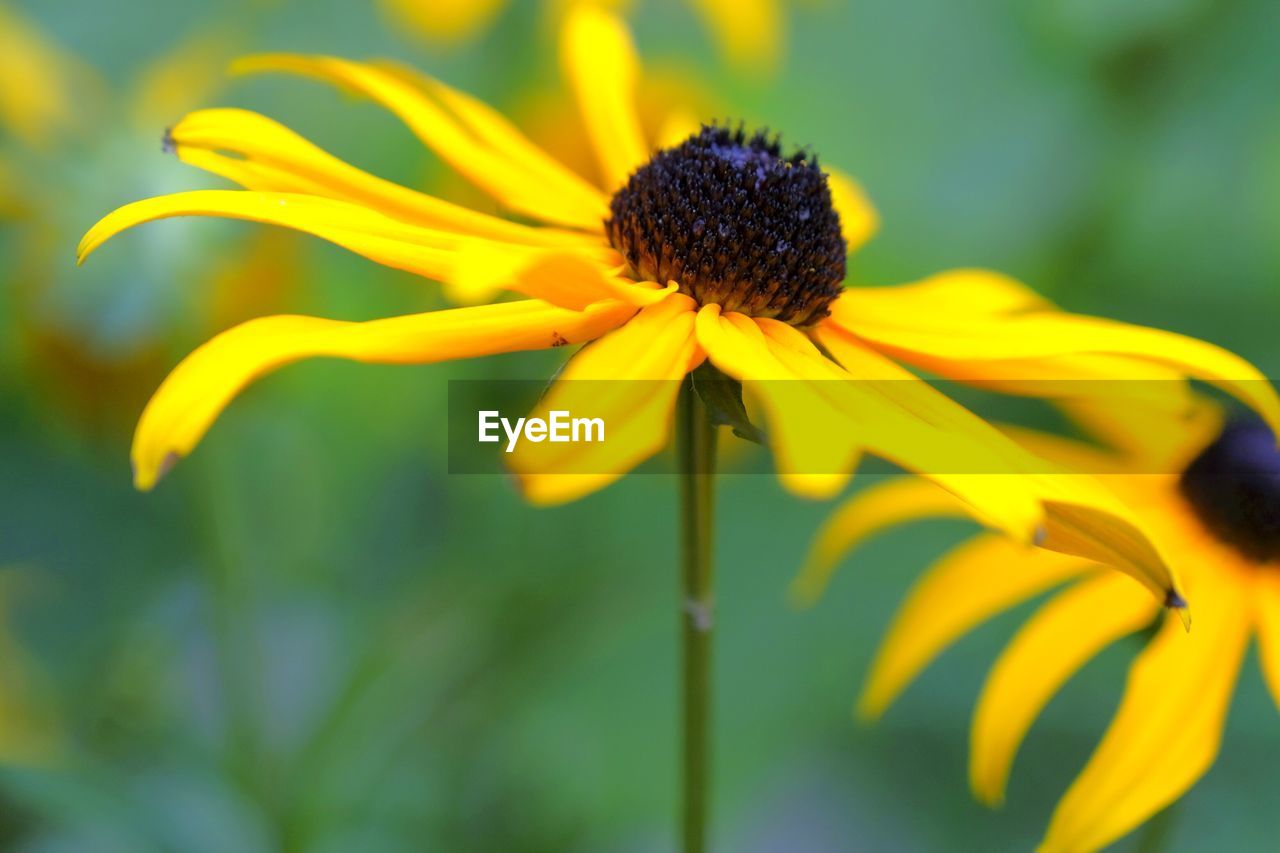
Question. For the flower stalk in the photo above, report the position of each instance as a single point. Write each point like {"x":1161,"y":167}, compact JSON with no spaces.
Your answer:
{"x":696,"y":447}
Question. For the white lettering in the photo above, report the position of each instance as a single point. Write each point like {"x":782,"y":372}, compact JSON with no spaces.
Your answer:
{"x":513,"y":435}
{"x":559,"y":427}
{"x":487,"y":424}
{"x":587,"y":425}
{"x":535,"y":430}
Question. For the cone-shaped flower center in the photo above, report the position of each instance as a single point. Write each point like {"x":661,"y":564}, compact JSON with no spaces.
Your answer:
{"x":1234,"y":487}
{"x":734,"y":223}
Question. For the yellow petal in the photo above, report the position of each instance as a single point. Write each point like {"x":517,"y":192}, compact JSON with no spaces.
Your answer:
{"x":749,"y":32}
{"x":548,"y":192}
{"x":1156,"y":435}
{"x":1267,"y":617}
{"x":1061,"y":637}
{"x":601,"y":64}
{"x":678,"y":125}
{"x":815,"y":448}
{"x":199,"y":388}
{"x":447,"y":21}
{"x":858,"y":218}
{"x":983,"y":577}
{"x":1080,"y":517}
{"x":956,"y":344}
{"x":562,"y":276}
{"x":629,"y":379}
{"x":494,"y":130}
{"x":960,"y":292}
{"x":887,"y":504}
{"x":1085,"y":519}
{"x":261,"y":154}
{"x":1168,"y":728}
{"x":901,"y":418}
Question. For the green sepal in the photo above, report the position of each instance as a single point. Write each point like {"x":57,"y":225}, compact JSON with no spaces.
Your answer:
{"x":722,"y":395}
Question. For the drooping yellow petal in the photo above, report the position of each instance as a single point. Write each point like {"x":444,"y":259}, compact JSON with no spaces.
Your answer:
{"x":815,"y":448}
{"x":858,"y":217}
{"x":199,"y":388}
{"x":1168,"y":728}
{"x":1085,"y":519}
{"x":1080,"y":516}
{"x":1059,"y":639}
{"x":601,"y":64}
{"x":447,"y":21}
{"x":563,"y":276}
{"x":1080,"y":376}
{"x":983,"y":577}
{"x":1266,"y":599}
{"x":887,"y":504}
{"x":955,"y":343}
{"x":749,"y":33}
{"x":629,"y":379}
{"x":910,"y":424}
{"x":261,"y":154}
{"x":548,"y":192}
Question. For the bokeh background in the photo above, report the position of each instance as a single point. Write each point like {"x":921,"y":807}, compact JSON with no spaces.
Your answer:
{"x":312,"y":638}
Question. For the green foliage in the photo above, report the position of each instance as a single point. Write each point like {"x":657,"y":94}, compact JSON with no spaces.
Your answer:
{"x":312,"y":637}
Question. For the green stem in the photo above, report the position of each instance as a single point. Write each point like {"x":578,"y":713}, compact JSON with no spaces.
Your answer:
{"x":696,"y":442}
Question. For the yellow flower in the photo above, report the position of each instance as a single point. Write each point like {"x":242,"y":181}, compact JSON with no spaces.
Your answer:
{"x":721,"y":248}
{"x":1209,"y":489}
{"x":749,"y":33}
{"x":37,"y":82}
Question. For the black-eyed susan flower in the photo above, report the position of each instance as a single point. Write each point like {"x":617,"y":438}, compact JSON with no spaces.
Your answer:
{"x":722,"y":247}
{"x":1209,"y":489}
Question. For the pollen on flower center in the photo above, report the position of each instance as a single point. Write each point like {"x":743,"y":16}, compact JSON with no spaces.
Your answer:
{"x":1234,"y":488}
{"x":736,"y":223}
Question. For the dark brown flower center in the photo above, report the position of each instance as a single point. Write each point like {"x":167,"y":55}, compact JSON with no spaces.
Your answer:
{"x":1234,"y":487}
{"x":735,"y":223}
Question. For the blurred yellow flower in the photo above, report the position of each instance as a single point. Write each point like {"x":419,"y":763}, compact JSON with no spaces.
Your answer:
{"x":1209,"y":489}
{"x":748,"y":33}
{"x":722,"y":248}
{"x":89,"y":348}
{"x":38,"y":82}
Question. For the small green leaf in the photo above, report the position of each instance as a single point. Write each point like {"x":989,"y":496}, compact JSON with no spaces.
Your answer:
{"x":722,"y":395}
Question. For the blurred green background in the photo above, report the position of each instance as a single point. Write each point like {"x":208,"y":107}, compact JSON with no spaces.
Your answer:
{"x":311,"y":637}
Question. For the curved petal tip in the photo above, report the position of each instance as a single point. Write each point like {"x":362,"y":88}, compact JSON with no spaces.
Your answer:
{"x":146,"y":476}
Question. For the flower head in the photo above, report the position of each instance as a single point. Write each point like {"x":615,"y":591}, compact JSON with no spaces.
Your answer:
{"x":736,"y":223}
{"x":1209,"y":490}
{"x":721,"y":248}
